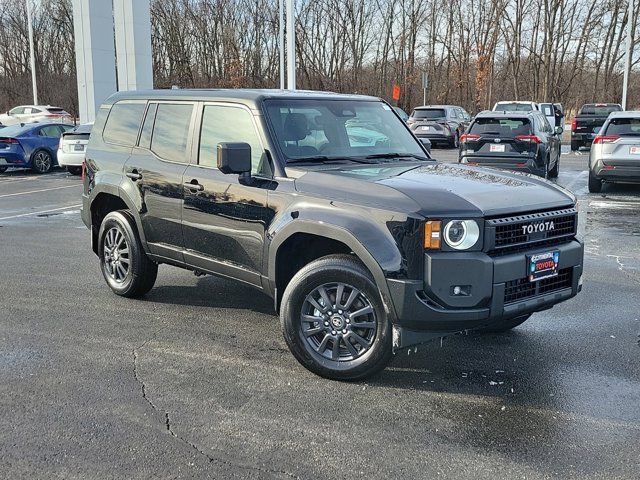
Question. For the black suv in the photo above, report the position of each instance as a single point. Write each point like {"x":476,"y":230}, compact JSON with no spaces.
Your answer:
{"x":328,"y":204}
{"x":515,"y":141}
{"x":439,"y":124}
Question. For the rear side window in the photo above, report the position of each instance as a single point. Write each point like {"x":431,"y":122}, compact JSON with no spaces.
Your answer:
{"x":171,"y":131}
{"x":229,"y":124}
{"x":429,"y":113}
{"x":599,"y":110}
{"x":50,"y":131}
{"x":624,"y":127}
{"x":502,"y":127}
{"x":123,"y":123}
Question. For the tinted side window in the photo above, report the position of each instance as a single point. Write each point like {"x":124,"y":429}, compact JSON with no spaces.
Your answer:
{"x":229,"y":124}
{"x":50,"y":131}
{"x":123,"y":123}
{"x":171,"y":131}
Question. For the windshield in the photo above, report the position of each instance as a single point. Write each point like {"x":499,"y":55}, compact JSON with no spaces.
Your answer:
{"x":503,"y":127}
{"x":599,"y":110}
{"x":338,"y":129}
{"x":618,"y":126}
{"x":429,"y":113}
{"x":514,"y":107}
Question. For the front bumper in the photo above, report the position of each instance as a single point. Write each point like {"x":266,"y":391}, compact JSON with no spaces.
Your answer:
{"x":498,"y":290}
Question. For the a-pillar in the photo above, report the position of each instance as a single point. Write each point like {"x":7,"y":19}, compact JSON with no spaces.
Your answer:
{"x":133,"y":44}
{"x":95,"y":55}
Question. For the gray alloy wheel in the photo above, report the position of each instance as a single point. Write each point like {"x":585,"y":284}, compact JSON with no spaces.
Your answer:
{"x":338,"y":322}
{"x":42,"y":161}
{"x":116,"y":264}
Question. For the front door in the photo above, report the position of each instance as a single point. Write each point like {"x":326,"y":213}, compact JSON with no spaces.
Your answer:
{"x":225,"y":216}
{"x":156,"y":167}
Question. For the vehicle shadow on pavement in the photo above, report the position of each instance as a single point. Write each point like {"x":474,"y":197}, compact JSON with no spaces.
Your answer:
{"x":213,"y":292}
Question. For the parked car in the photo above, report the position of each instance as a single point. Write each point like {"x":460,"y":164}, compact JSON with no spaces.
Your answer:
{"x":553,"y":111}
{"x":401,"y":113}
{"x":32,"y":145}
{"x":440,"y":124}
{"x":365,"y":249}
{"x":587,"y":124}
{"x":71,"y":148}
{"x":615,"y":154}
{"x":35,"y":113}
{"x":515,"y":141}
{"x":515,"y":106}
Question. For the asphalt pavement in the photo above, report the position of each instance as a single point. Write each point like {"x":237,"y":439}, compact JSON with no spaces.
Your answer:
{"x":195,"y":380}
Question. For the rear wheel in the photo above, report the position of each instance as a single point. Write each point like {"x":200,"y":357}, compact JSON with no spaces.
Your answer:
{"x":505,"y":325}
{"x":74,"y":170}
{"x":553,"y":173}
{"x":575,"y":145}
{"x":333,"y":319}
{"x":455,"y":143}
{"x":125,"y":266}
{"x":42,"y":162}
{"x":595,"y":184}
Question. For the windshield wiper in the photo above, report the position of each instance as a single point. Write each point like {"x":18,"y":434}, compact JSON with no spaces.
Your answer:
{"x":397,"y":155}
{"x":325,"y":158}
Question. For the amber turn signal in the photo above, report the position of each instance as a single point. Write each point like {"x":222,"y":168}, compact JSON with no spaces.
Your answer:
{"x":432,"y":234}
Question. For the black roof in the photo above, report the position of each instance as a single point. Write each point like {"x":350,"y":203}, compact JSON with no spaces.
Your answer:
{"x":249,"y":97}
{"x":503,"y":114}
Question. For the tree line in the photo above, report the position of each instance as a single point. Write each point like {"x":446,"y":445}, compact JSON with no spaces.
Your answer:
{"x":474,"y":52}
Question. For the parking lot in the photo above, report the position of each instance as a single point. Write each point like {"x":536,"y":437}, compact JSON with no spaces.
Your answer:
{"x":195,"y":380}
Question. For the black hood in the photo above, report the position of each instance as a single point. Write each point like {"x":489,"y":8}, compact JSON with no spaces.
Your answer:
{"x":434,"y":189}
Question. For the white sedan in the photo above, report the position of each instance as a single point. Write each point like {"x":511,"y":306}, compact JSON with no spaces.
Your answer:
{"x":72,"y":147}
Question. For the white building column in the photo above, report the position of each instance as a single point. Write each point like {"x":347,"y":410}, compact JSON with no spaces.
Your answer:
{"x":133,"y":44}
{"x":95,"y":55}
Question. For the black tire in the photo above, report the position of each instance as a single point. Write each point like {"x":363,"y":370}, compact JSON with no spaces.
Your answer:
{"x":141,"y":272}
{"x":595,"y":184}
{"x":41,"y":161}
{"x":361,"y":359}
{"x":74,"y":170}
{"x":3,"y":169}
{"x":575,"y":145}
{"x":455,"y":142}
{"x":553,"y":173}
{"x":505,"y":325}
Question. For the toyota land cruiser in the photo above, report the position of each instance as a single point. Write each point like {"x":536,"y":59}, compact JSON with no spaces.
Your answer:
{"x":330,"y":205}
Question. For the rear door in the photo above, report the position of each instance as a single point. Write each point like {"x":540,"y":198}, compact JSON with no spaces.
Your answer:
{"x":225,"y":216}
{"x":502,"y":139}
{"x":49,"y":137}
{"x":155,"y":168}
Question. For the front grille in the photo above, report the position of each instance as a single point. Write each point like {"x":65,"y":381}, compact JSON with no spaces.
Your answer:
{"x":511,"y":233}
{"x":522,"y":288}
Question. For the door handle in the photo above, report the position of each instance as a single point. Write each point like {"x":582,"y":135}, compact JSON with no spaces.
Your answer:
{"x":134,"y":175}
{"x":193,"y":185}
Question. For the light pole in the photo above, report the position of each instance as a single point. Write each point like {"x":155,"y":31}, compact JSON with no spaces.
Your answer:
{"x":32,"y":54}
{"x":281,"y":40}
{"x":291,"y":46}
{"x":627,"y":62}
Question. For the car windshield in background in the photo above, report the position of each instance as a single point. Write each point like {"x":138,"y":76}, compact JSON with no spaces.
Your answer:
{"x":624,"y":127}
{"x":599,"y":110}
{"x":339,"y":129}
{"x":514,"y":107}
{"x":501,"y":127}
{"x":428,"y":113}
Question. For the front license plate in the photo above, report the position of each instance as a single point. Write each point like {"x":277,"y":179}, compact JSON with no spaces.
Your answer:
{"x":496,"y":148}
{"x":634,"y":150}
{"x":78,"y":148}
{"x":543,"y":265}
{"x":426,"y":128}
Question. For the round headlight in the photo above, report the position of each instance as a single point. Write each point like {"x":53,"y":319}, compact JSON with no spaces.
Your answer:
{"x":461,"y":234}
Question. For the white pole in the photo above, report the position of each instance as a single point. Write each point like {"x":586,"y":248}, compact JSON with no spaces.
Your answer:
{"x":281,"y":40}
{"x":291,"y":46}
{"x":32,"y":54}
{"x":627,"y":62}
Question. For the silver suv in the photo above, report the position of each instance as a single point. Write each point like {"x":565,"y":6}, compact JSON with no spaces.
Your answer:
{"x":615,"y":154}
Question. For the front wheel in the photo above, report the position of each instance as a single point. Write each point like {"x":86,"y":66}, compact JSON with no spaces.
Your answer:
{"x":333,"y":319}
{"x":125,"y":267}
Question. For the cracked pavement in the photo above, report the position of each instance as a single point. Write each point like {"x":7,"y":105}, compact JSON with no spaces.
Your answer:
{"x":195,"y":381}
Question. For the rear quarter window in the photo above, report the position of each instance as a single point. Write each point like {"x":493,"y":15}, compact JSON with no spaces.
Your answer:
{"x":502,"y":127}
{"x":123,"y":123}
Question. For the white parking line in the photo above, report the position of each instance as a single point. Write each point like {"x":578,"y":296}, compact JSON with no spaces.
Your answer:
{"x":38,"y":191}
{"x":42,"y":211}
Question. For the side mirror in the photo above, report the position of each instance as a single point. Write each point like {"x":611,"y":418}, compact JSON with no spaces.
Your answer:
{"x":559,"y":130}
{"x":234,"y":157}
